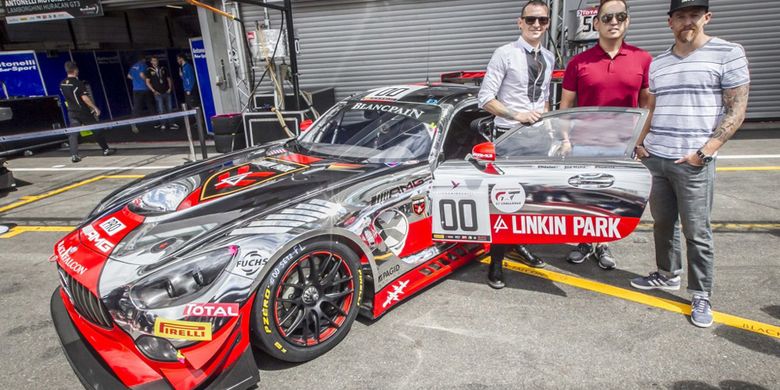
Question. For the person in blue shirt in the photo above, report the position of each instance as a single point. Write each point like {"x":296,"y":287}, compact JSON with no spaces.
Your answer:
{"x":143,"y":100}
{"x":187,"y":74}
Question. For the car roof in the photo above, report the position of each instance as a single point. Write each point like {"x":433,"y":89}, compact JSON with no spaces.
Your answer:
{"x":424,"y":93}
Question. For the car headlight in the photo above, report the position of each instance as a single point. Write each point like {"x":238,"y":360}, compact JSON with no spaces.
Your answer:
{"x":163,"y":199}
{"x":182,"y":282}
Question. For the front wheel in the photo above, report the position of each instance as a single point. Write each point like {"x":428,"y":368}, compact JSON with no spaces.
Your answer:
{"x":308,"y":301}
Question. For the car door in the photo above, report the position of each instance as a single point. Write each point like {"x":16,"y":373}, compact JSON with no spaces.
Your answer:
{"x":535,"y":189}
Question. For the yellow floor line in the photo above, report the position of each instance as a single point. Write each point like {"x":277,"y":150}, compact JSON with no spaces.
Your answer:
{"x":743,"y":169}
{"x":17,"y":230}
{"x":34,"y":198}
{"x":638,"y":297}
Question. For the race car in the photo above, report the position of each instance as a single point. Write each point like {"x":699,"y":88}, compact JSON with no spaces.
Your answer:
{"x":172,"y":279}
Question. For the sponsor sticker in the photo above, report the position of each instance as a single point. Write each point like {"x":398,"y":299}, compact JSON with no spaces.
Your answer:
{"x":68,"y":261}
{"x":418,"y":206}
{"x":112,"y":226}
{"x":182,"y":330}
{"x":391,"y":94}
{"x":395,"y":295}
{"x":508,"y":198}
{"x":251,"y":263}
{"x":99,"y":242}
{"x":211,"y":310}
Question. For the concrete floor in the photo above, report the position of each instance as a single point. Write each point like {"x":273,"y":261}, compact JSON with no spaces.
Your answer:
{"x":459,"y":334}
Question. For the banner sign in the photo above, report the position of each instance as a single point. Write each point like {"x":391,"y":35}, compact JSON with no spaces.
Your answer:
{"x":20,"y":75}
{"x":27,"y":11}
{"x":204,"y":80}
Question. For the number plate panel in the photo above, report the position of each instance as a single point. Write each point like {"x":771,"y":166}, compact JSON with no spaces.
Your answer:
{"x":460,"y":209}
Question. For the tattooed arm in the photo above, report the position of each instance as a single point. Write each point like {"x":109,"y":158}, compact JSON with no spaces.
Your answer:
{"x":735,"y":105}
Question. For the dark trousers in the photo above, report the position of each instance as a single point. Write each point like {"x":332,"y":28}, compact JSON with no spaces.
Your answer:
{"x":73,"y":138}
{"x":191,"y":98}
{"x":143,"y":102}
{"x":681,"y":199}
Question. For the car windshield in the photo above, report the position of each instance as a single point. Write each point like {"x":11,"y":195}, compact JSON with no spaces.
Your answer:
{"x":602,"y":132}
{"x":378,"y":132}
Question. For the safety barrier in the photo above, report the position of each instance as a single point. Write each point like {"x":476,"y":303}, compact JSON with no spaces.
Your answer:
{"x":103,"y":126}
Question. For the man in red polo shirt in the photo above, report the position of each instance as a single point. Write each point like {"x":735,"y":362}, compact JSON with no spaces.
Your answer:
{"x":612,"y":73}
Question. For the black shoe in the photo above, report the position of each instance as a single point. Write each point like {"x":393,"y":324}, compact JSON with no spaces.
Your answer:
{"x":580,"y":254}
{"x":496,"y":275}
{"x":75,"y":158}
{"x":523,"y":255}
{"x":109,"y":151}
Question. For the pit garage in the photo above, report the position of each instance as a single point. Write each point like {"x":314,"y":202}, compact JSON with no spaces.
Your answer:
{"x":564,"y":326}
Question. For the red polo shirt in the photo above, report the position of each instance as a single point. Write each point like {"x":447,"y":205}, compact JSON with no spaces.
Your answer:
{"x":600,"y":80}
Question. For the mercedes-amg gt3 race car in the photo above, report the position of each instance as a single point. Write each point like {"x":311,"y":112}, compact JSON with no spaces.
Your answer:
{"x":172,"y":279}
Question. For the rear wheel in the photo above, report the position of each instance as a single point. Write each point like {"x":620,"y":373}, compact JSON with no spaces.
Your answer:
{"x":308,"y":301}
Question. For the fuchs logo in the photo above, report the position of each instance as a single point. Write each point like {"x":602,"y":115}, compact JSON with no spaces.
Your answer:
{"x":508,"y":198}
{"x":252,"y":262}
{"x":418,"y":206}
{"x":211,"y":310}
{"x":182,"y":330}
{"x":112,"y":226}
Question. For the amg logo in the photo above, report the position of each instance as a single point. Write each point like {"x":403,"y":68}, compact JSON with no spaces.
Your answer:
{"x":387,"y":194}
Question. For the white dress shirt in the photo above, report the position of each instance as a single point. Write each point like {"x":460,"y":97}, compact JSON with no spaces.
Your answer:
{"x":507,"y":79}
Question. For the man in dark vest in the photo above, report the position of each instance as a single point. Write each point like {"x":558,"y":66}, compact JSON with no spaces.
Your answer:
{"x":82,"y":111}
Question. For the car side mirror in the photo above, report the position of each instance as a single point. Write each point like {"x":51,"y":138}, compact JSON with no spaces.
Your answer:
{"x":483,"y":157}
{"x":484,"y":152}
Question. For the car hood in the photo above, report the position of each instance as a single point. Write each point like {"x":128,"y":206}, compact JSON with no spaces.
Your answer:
{"x":232,"y":191}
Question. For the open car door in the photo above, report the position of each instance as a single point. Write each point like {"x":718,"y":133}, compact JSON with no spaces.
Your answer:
{"x":530,"y":187}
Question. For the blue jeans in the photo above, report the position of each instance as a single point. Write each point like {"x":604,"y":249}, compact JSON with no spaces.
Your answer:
{"x":164,"y":104}
{"x":682,"y":195}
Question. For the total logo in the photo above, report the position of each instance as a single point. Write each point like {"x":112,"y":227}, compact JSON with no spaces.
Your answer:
{"x":508,"y":198}
{"x":94,"y":237}
{"x":211,"y":309}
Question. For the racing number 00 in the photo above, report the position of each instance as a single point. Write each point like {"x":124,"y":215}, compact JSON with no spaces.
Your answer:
{"x":461,"y":214}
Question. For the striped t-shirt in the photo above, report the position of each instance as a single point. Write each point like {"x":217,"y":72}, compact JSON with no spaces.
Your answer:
{"x":689,"y":95}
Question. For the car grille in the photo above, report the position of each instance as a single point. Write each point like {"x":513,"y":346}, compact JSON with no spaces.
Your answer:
{"x":86,"y":303}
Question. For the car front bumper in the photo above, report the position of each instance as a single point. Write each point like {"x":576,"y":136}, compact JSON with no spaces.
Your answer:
{"x":235,"y":370}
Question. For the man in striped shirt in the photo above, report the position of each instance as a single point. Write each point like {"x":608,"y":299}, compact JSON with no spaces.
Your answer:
{"x":700,"y":91}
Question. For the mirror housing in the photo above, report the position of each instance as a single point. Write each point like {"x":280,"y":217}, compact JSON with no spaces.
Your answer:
{"x":484,"y":152}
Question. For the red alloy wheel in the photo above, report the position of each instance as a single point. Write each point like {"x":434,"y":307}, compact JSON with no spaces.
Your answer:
{"x":314,"y":298}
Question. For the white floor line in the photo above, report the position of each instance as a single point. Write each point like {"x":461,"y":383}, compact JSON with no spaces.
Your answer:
{"x":54,"y":169}
{"x":748,"y":157}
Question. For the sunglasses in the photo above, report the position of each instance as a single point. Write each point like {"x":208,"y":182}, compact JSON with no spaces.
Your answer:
{"x":620,"y":16}
{"x":531,"y":20}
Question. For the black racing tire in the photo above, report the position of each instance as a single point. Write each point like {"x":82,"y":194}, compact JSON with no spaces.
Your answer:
{"x":297,"y":317}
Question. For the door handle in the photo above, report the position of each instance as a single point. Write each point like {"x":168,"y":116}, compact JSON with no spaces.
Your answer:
{"x":592,"y":181}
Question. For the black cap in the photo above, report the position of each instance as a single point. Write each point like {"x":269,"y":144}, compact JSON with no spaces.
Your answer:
{"x":680,"y":4}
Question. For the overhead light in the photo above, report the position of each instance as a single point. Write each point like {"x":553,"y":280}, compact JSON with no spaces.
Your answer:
{"x":174,"y":6}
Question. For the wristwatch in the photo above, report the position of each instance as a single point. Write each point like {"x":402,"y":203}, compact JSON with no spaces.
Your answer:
{"x":704,"y":158}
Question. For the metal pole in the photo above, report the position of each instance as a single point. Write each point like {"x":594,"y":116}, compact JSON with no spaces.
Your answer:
{"x":293,"y":55}
{"x":556,"y":19}
{"x":201,"y":132}
{"x":189,"y":132}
